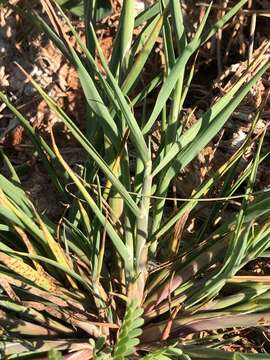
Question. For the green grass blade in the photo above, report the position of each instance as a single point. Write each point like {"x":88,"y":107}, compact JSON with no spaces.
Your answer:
{"x":135,"y":130}
{"x":210,"y":129}
{"x":117,"y":241}
{"x":41,"y":146}
{"x":78,"y":135}
{"x":122,"y":43}
{"x":142,"y":56}
{"x":180,"y":64}
{"x":178,"y":22}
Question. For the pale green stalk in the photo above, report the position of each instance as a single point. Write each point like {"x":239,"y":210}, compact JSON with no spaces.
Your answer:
{"x":141,"y":256}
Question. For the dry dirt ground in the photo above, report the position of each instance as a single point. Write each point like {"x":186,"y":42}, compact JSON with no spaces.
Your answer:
{"x":220,"y":62}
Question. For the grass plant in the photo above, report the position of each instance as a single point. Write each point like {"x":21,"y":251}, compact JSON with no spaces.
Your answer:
{"x":84,"y":286}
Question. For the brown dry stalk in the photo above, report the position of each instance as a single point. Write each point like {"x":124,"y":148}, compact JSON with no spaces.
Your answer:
{"x":25,"y":270}
{"x":5,"y":285}
{"x":57,"y":250}
{"x":55,"y":20}
{"x":30,"y":247}
{"x":264,"y":279}
{"x":167,"y":329}
{"x":36,"y":291}
{"x":177,"y":233}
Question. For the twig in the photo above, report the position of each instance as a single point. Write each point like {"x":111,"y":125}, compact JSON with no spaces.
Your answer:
{"x":251,"y":35}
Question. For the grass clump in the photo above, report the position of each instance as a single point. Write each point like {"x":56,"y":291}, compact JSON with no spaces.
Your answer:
{"x":84,"y":286}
